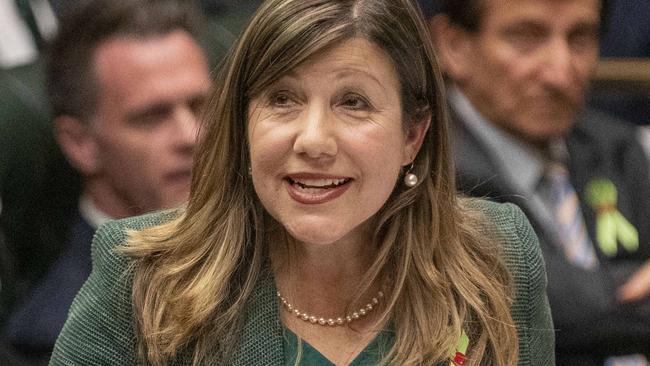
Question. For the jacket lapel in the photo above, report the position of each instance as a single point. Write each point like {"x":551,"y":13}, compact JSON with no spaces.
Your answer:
{"x":261,"y":340}
{"x":478,"y":175}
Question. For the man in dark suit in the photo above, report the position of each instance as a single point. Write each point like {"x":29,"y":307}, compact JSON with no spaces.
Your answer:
{"x":126,"y":80}
{"x":518,"y":74}
{"x":7,"y":354}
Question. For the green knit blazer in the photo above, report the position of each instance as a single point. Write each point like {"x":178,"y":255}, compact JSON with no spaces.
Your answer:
{"x":100,"y":325}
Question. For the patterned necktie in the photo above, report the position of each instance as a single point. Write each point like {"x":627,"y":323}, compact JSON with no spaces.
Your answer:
{"x":571,"y":229}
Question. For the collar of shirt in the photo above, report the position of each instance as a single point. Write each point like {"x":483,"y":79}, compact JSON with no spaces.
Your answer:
{"x":91,"y":213}
{"x":522,"y":165}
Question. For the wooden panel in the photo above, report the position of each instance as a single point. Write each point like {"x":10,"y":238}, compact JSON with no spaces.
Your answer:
{"x":633,"y":71}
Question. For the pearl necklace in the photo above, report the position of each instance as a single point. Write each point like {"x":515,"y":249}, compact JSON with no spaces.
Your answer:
{"x":330,"y":321}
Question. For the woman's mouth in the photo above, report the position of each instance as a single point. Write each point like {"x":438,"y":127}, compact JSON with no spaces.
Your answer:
{"x":315,"y":190}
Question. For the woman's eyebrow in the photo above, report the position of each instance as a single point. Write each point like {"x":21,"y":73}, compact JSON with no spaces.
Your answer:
{"x":347,"y":72}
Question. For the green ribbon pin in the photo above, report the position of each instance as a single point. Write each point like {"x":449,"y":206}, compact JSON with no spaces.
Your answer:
{"x":458,"y":358}
{"x":611,"y":226}
{"x":463,"y":343}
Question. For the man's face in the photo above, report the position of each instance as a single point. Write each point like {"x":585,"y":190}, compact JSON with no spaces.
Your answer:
{"x":145,"y":126}
{"x":529,"y":64}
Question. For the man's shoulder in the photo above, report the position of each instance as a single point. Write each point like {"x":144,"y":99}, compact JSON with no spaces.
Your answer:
{"x":604,"y":145}
{"x":603,"y":127}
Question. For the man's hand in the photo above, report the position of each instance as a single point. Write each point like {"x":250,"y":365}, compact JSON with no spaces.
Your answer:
{"x":637,"y":286}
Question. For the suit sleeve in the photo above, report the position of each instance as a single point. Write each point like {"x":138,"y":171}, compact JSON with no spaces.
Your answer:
{"x":536,"y":332}
{"x":638,"y":172}
{"x":99,"y":329}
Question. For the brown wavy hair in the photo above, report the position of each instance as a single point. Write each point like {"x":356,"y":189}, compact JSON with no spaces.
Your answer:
{"x":194,"y":274}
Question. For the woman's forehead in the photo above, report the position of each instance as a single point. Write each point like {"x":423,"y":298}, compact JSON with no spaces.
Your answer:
{"x":355,"y":57}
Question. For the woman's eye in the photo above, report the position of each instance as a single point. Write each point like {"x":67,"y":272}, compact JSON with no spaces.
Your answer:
{"x":355,"y":102}
{"x":281,"y":99}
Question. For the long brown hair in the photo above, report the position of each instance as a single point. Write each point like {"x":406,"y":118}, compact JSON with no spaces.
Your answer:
{"x":194,"y":274}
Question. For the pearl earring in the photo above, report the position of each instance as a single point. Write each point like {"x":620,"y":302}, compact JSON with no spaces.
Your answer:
{"x":410,"y":179}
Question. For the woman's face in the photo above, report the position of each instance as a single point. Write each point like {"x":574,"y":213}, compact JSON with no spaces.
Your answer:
{"x":327,"y":143}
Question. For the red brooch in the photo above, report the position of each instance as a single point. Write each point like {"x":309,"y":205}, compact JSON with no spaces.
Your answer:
{"x":459,"y":359}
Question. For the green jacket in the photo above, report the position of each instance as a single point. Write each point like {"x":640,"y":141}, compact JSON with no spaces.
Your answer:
{"x":99,"y":329}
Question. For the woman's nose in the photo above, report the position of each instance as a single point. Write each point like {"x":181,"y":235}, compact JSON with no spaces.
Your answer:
{"x":316,"y":134}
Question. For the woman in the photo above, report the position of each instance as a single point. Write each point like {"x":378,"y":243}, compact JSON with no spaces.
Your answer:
{"x":323,"y":225}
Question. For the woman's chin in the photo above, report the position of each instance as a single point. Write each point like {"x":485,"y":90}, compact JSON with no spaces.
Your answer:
{"x":326,"y":229}
{"x":314,"y":237}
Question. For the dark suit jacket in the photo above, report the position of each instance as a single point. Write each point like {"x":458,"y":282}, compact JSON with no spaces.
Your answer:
{"x":38,"y":188}
{"x":6,"y":277}
{"x":7,"y":354}
{"x":34,"y":326}
{"x":100,"y":330}
{"x":590,"y":324}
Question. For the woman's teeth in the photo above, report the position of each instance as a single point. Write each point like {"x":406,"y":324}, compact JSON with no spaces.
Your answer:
{"x":320,"y":183}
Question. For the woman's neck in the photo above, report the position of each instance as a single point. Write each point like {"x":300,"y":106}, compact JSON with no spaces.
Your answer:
{"x":322,"y":279}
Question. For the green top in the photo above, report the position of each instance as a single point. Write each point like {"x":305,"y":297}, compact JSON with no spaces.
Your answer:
{"x":99,"y":329}
{"x":371,"y":355}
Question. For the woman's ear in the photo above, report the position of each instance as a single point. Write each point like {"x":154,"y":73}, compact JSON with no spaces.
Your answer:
{"x":453,"y":45}
{"x":415,"y":137}
{"x":77,"y":144}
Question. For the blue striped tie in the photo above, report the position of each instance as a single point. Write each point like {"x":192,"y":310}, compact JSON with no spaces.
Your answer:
{"x":571,"y":229}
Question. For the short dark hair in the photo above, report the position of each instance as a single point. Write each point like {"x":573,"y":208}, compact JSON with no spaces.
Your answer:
{"x":468,"y":13}
{"x":70,"y":81}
